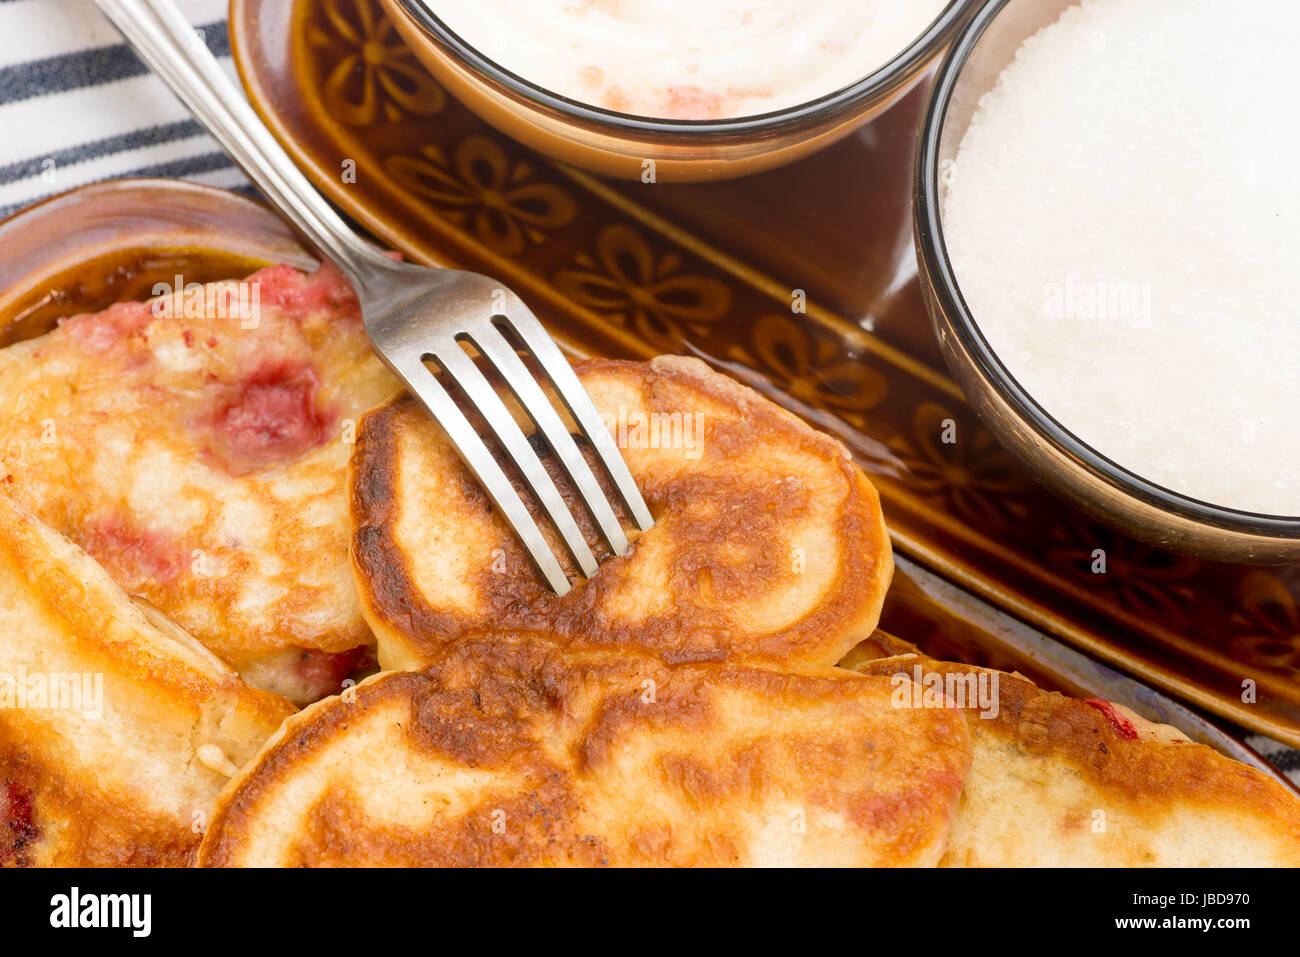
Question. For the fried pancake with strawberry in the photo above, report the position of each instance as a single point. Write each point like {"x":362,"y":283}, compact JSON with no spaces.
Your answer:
{"x":197,"y":446}
{"x":117,"y":729}
{"x":1063,"y":782}
{"x":517,"y":751}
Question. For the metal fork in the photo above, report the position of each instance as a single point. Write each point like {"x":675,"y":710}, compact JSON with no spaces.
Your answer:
{"x":414,"y":314}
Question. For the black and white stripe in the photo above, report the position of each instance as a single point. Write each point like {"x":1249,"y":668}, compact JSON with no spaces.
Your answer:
{"x":1286,"y":760}
{"x":77,"y":106}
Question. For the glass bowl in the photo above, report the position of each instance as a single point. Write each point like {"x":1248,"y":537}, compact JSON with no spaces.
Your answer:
{"x":1059,"y":460}
{"x":617,"y":144}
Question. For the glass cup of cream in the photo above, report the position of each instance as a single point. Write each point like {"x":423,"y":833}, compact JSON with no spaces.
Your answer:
{"x":669,"y":91}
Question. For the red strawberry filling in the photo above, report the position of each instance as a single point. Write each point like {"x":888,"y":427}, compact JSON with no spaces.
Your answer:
{"x":18,"y":829}
{"x":1121,"y":725}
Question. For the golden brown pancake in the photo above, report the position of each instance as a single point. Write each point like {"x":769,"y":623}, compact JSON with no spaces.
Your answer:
{"x":199,"y":453}
{"x":520,"y":752}
{"x":768,"y":544}
{"x":1058,"y":782}
{"x":116,"y":729}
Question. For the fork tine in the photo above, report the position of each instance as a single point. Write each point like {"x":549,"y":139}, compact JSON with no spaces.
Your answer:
{"x":489,"y":405}
{"x":535,"y":402}
{"x":574,"y":396}
{"x":426,"y":387}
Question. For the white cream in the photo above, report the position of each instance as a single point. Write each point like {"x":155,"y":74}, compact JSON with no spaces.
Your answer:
{"x":689,"y":59}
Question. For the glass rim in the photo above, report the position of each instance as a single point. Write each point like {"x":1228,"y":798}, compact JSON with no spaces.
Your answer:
{"x":943,"y":281}
{"x":844,"y":101}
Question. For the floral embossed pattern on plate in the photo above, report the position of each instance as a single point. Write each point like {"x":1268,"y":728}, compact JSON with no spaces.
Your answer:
{"x":801,"y":282}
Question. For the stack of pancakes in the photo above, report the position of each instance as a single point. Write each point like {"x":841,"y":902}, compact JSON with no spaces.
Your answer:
{"x":691,"y":704}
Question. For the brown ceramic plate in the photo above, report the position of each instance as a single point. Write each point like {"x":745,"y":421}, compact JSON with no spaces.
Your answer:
{"x":802,"y":282}
{"x":131,"y":234}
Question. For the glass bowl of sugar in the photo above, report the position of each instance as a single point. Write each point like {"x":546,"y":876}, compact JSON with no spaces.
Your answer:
{"x":1107,"y":228}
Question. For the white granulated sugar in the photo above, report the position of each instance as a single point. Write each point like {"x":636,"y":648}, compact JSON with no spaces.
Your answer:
{"x":1123,"y":217}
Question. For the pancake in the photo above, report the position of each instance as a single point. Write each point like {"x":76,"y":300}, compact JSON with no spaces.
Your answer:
{"x":203,"y":462}
{"x":1060,"y":782}
{"x":768,"y":544}
{"x":517,"y":752}
{"x":116,"y":728}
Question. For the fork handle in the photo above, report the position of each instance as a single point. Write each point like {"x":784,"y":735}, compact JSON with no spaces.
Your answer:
{"x":165,"y":40}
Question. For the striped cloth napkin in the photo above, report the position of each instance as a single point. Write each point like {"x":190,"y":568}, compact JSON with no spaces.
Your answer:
{"x":76,"y":106}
